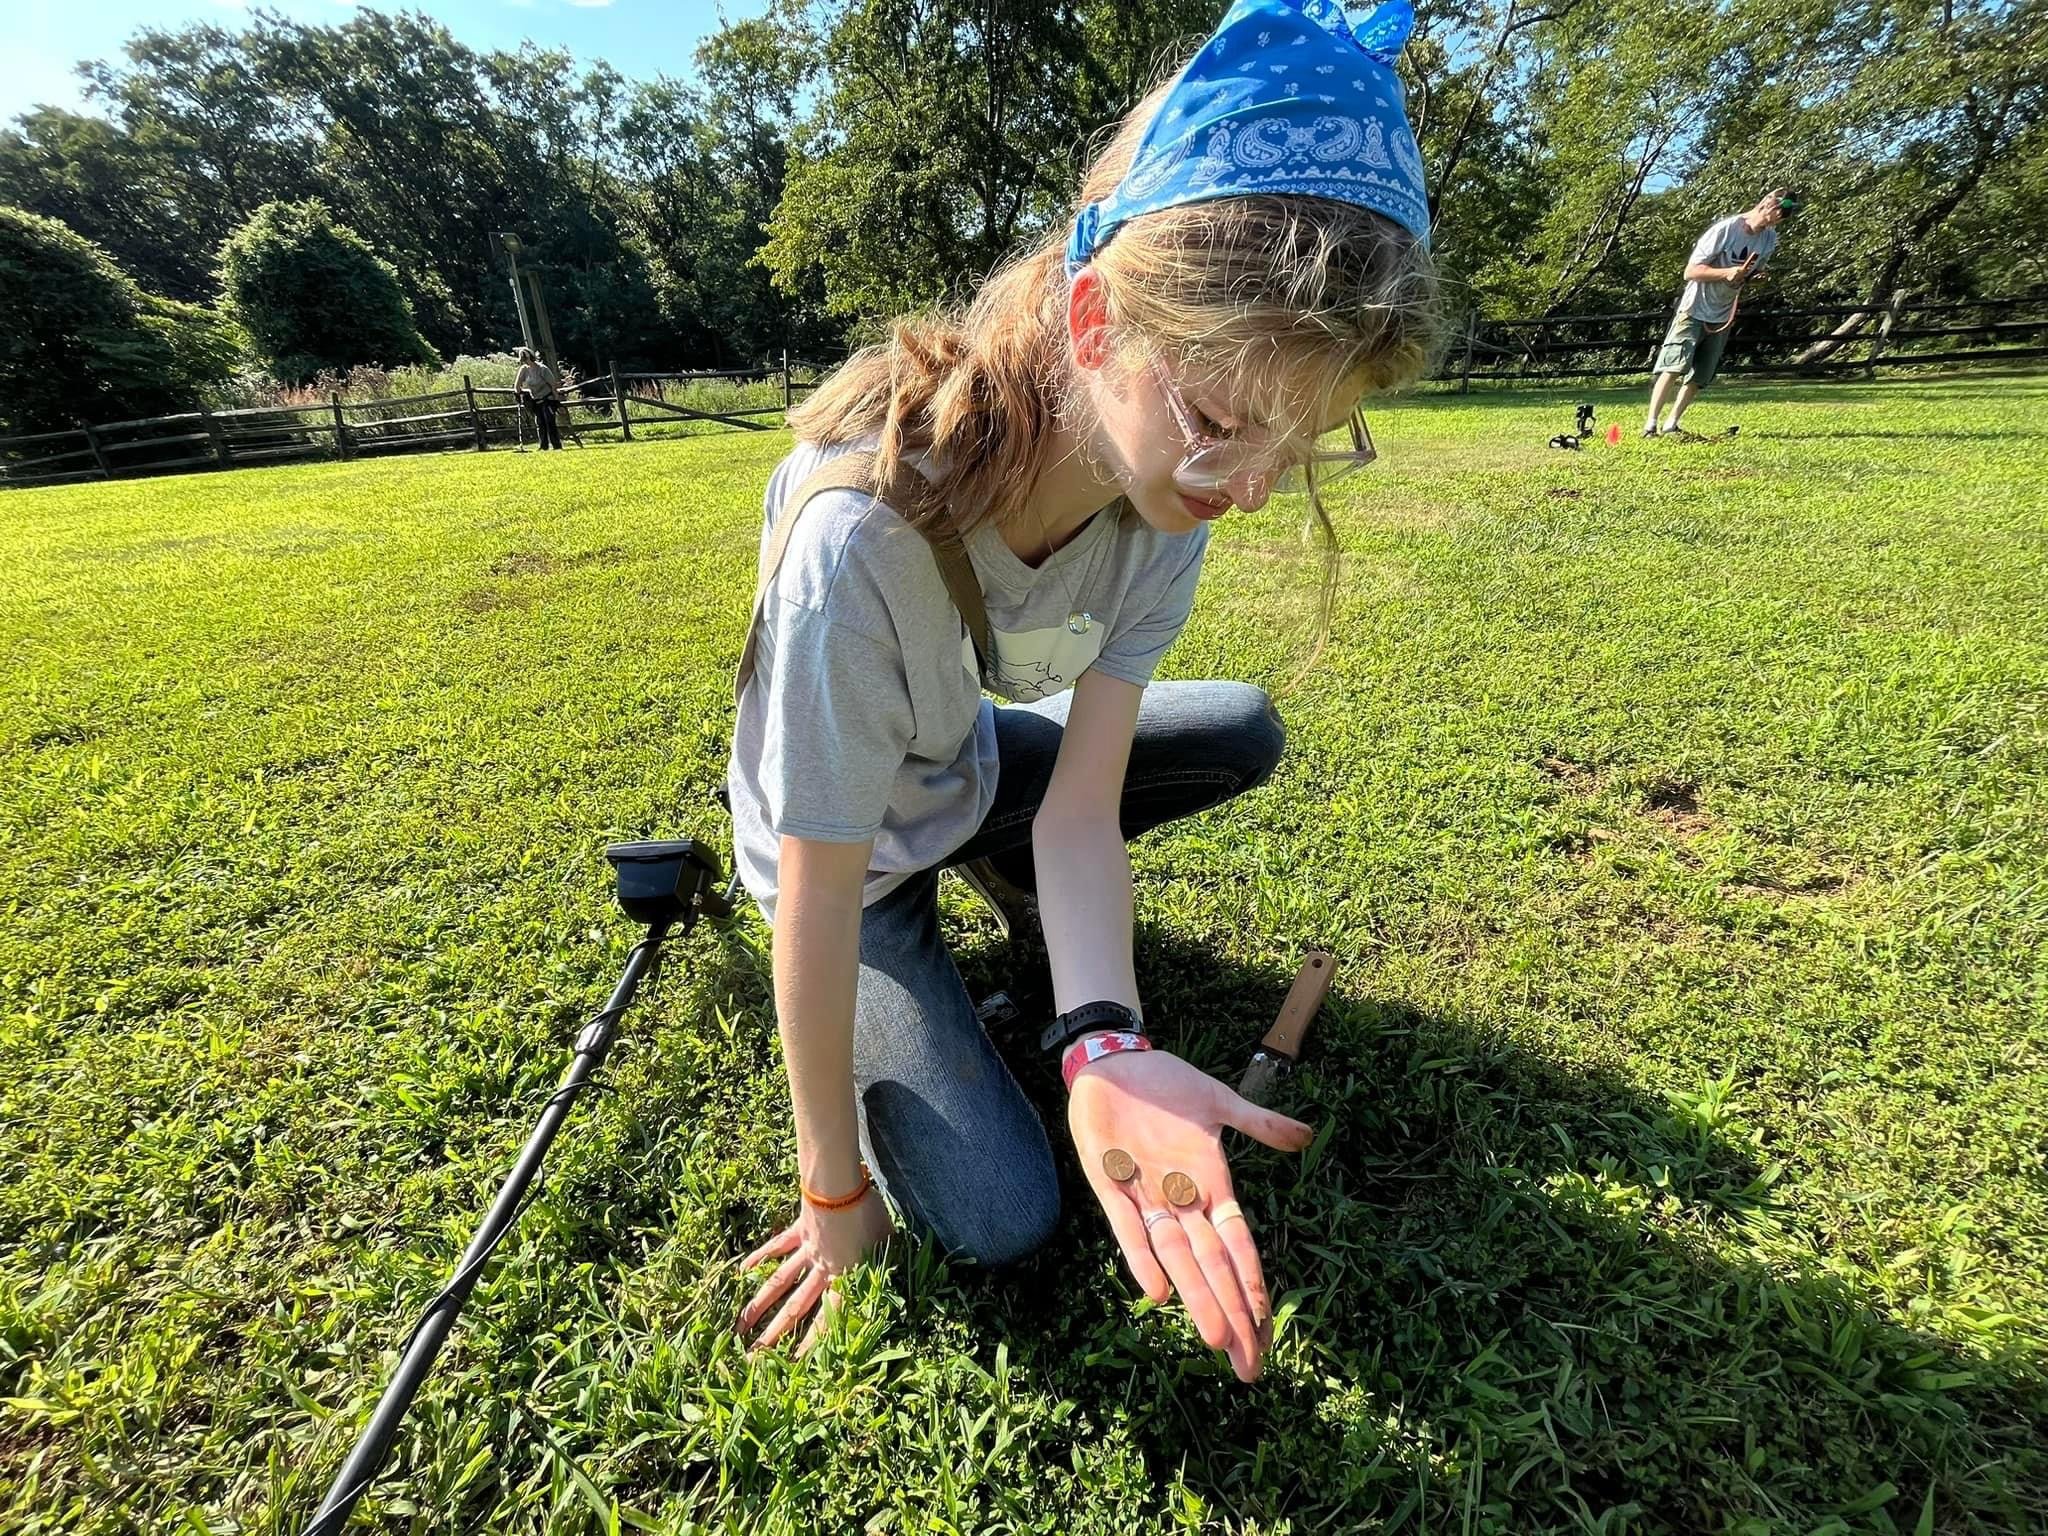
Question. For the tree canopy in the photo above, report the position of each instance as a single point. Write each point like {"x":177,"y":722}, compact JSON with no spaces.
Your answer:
{"x":835,"y":162}
{"x":81,"y":341}
{"x":313,"y":297}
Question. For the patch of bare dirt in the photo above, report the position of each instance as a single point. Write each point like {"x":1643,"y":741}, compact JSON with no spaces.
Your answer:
{"x":1675,"y":803}
{"x":1771,"y":888}
{"x":1580,"y":778}
{"x":523,"y":562}
{"x":491,"y":599}
{"x":542,"y":562}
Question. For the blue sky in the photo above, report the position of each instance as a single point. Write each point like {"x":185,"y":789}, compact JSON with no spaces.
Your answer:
{"x":640,"y":38}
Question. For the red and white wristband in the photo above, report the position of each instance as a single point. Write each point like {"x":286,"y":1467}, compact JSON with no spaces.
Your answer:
{"x":1096,"y":1046}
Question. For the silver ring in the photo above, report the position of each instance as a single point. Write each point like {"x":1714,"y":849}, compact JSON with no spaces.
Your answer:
{"x":1153,"y":1218}
{"x":1225,"y":1210}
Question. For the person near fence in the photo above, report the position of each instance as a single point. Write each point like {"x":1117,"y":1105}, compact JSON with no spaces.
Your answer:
{"x":535,"y":385}
{"x":1731,"y":253}
{"x":1018,"y":496}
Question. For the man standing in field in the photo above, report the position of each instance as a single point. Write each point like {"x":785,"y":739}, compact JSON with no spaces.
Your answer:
{"x":1728,"y":255}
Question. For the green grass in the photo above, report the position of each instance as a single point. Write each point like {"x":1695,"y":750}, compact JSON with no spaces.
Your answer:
{"x":1676,"y":812}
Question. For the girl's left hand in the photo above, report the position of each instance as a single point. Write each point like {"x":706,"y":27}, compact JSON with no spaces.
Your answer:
{"x":1169,"y":1117}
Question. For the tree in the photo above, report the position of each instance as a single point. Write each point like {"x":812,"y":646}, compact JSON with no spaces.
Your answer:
{"x":430,"y":146}
{"x":312,"y":295}
{"x":1127,"y":46}
{"x":1483,"y":150}
{"x":198,"y":107}
{"x":752,"y":72}
{"x":207,"y":348}
{"x":832,"y":163}
{"x":703,"y":171}
{"x":1892,"y":117}
{"x":126,"y":197}
{"x":79,"y":344}
{"x":947,"y":132}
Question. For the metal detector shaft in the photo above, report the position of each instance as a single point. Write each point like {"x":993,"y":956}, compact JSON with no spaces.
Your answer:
{"x":360,"y":1470}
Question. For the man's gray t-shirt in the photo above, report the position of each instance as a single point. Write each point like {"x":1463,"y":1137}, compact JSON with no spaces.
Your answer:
{"x":1727,"y":243}
{"x":865,"y":717}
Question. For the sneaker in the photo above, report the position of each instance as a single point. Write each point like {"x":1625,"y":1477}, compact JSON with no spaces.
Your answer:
{"x":1016,"y":910}
{"x":1650,"y":431}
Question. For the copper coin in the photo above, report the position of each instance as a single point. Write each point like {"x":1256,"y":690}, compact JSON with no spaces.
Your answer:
{"x":1120,"y":1165}
{"x":1180,"y":1190}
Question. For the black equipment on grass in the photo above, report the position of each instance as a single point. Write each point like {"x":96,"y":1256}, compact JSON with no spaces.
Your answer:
{"x":1583,"y":419}
{"x":665,"y":885}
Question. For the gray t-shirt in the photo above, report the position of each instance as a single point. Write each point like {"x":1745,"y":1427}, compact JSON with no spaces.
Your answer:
{"x":1727,"y":243}
{"x":865,"y":718}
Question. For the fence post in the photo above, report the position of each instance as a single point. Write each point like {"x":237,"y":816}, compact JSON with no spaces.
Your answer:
{"x":1471,"y":333}
{"x":340,"y":427}
{"x":92,"y":441}
{"x":220,"y":441}
{"x":1893,"y":303}
{"x":619,"y":399}
{"x":785,"y":381}
{"x":476,"y":422}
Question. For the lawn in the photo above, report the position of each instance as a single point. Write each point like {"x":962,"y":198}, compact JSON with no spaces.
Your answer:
{"x":1676,"y":812}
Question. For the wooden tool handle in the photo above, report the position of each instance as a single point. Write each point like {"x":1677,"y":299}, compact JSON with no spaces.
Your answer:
{"x":1311,"y":986}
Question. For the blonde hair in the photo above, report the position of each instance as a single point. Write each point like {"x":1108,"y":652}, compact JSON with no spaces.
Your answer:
{"x":1292,"y":295}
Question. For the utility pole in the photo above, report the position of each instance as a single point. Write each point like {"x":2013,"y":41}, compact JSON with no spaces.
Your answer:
{"x":512,"y":247}
{"x":539,"y":306}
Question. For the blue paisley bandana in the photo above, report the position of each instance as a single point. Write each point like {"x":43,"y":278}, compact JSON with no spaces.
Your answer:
{"x":1287,"y":97}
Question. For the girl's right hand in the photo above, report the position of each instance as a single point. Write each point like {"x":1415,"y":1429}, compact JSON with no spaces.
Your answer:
{"x":1168,"y":1115}
{"x":815,"y":1249}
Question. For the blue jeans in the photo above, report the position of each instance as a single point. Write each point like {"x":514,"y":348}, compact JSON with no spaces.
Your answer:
{"x":948,"y":1133}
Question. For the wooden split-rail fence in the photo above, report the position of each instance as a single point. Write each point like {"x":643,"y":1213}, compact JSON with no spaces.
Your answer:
{"x":1818,"y":342}
{"x":1824,"y":341}
{"x":476,"y":417}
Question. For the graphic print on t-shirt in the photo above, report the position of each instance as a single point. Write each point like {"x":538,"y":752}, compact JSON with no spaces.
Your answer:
{"x":1037,"y":663}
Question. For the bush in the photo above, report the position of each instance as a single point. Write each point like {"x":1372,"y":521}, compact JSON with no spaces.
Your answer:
{"x":82,"y":342}
{"x":313,"y":297}
{"x":207,"y":347}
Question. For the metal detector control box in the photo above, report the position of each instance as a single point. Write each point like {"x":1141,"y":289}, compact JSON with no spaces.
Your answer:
{"x":676,"y":880}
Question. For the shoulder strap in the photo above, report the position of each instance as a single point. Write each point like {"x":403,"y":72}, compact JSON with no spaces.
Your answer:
{"x":856,"y":472}
{"x":958,"y":573}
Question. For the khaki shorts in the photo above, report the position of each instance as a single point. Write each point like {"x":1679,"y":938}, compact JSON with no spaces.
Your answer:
{"x":1692,"y":350}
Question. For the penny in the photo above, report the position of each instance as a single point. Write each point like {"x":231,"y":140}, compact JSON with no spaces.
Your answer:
{"x":1120,"y":1165}
{"x":1180,"y":1190}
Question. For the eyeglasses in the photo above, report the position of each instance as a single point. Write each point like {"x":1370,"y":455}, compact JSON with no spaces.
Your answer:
{"x":1213,"y":462}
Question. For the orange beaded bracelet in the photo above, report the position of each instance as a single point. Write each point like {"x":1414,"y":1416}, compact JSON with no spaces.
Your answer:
{"x":839,"y":1202}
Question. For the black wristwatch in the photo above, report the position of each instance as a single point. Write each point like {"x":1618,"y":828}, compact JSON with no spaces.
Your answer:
{"x":1078,"y":1021}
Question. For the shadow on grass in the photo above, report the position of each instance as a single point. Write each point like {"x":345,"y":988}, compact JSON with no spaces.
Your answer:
{"x":1525,"y":1295}
{"x":1518,"y":1296}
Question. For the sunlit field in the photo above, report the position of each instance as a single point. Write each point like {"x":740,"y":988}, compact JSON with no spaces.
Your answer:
{"x":1675,"y":811}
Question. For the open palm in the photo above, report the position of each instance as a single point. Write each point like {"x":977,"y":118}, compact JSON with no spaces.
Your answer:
{"x":1169,"y":1116}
